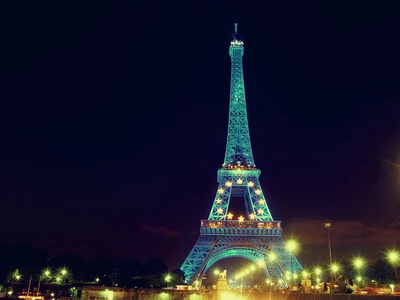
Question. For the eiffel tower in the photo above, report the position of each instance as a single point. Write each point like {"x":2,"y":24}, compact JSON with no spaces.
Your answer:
{"x":256,"y":237}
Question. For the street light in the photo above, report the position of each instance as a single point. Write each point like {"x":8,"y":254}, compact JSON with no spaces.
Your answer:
{"x":64,"y":271}
{"x":168,"y":278}
{"x":328,"y":226}
{"x":318,"y":272}
{"x":335,"y":269}
{"x":358,"y":263}
{"x":291,"y":245}
{"x":46,"y":273}
{"x":394,"y":257}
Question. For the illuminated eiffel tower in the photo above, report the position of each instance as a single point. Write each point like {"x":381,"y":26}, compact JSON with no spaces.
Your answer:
{"x":256,"y":237}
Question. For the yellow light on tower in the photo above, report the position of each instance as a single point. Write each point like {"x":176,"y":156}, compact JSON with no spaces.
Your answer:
{"x":291,"y":245}
{"x":221,"y":191}
{"x":272,"y":256}
{"x":219,"y":201}
{"x":260,"y":262}
{"x":252,"y":216}
{"x":220,"y":211}
{"x":261,"y":201}
{"x":241,"y":219}
{"x":239,"y":181}
{"x":250,"y":184}
{"x":258,"y":191}
{"x":230,"y":216}
{"x":260,"y":211}
{"x":228,"y":183}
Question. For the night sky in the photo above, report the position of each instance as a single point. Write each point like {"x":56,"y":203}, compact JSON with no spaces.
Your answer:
{"x":114,"y":119}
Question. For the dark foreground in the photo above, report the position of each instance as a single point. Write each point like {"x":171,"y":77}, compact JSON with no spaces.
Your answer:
{"x":101,"y":293}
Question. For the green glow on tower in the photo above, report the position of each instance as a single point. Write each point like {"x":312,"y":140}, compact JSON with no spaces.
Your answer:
{"x":254,"y":235}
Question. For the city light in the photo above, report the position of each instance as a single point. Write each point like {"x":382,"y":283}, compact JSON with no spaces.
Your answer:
{"x":291,"y":245}
{"x":167,"y":278}
{"x":46,"y":273}
{"x":358,"y":262}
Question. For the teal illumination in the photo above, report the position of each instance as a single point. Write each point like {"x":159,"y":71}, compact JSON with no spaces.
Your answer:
{"x":255,"y":235}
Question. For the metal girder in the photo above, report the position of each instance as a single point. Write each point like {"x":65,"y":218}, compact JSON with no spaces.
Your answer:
{"x":257,"y":208}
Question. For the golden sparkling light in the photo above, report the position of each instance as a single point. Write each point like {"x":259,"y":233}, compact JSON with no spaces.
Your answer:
{"x":250,"y":184}
{"x":252,"y":216}
{"x":358,"y":262}
{"x":239,"y":181}
{"x":241,"y":219}
{"x":292,"y":245}
{"x":228,"y":183}
{"x":272,"y":256}
{"x":219,"y":201}
{"x":230,"y":216}
{"x":393,"y":257}
{"x":335,"y":267}
{"x":220,"y":211}
{"x":258,"y":191}
{"x":221,"y":191}
{"x":260,"y":211}
{"x":317,"y":271}
{"x":261,"y":201}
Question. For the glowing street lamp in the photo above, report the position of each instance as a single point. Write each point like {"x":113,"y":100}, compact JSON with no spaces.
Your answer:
{"x":318,"y":273}
{"x":334,"y":268}
{"x":64,"y":272}
{"x":216,"y":272}
{"x":291,"y":246}
{"x":97,"y":279}
{"x":358,"y":263}
{"x":168,"y":278}
{"x":394,"y":258}
{"x":46,"y":273}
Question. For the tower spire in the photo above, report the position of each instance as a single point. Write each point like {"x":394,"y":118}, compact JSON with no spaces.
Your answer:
{"x":238,"y":147}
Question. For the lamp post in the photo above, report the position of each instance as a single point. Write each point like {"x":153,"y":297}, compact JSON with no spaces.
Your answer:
{"x":291,"y":246}
{"x":394,"y":257}
{"x":167,"y":278}
{"x":328,"y":226}
{"x":358,"y":264}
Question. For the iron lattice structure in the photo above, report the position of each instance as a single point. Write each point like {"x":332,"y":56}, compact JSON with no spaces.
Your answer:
{"x":257,"y":237}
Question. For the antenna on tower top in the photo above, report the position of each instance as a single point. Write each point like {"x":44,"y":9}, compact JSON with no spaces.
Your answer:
{"x":236,"y":24}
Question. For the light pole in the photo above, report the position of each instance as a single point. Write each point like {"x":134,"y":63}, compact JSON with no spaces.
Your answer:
{"x":167,"y":278}
{"x":358,"y":264}
{"x":328,"y":226}
{"x":394,"y":257}
{"x":291,"y":246}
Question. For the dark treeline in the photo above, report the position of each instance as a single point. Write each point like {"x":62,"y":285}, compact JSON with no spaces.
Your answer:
{"x":19,"y":261}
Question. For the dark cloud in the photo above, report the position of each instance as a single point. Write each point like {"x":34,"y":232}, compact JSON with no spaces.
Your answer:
{"x":160,"y":230}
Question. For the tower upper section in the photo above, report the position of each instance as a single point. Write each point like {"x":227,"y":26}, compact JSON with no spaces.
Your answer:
{"x":238,"y":151}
